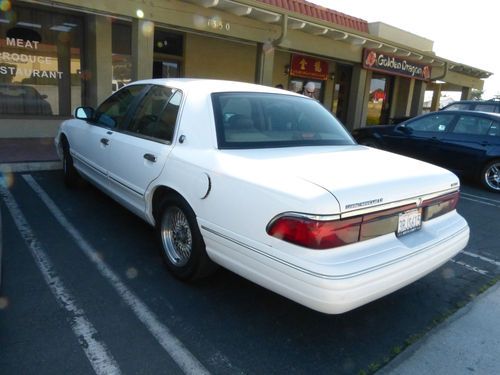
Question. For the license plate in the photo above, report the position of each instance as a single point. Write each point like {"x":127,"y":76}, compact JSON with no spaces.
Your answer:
{"x":409,"y":221}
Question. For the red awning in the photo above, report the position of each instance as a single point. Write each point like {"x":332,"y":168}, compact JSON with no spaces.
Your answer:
{"x":319,"y":12}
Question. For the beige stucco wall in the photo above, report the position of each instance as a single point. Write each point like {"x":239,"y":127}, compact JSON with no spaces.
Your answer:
{"x":29,"y":128}
{"x":217,"y":58}
{"x":281,"y":60}
{"x":399,"y":36}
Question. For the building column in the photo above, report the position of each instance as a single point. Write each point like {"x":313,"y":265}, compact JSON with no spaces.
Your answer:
{"x":466,"y":93}
{"x":98,"y":60}
{"x":142,"y":49}
{"x":357,"y":109}
{"x":265,"y":64}
{"x":402,"y":97}
{"x":418,"y":98}
{"x":436,"y":98}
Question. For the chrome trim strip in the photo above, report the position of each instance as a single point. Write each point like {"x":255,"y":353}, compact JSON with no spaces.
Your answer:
{"x":107,"y":176}
{"x":125,"y":186}
{"x":386,"y":206}
{"x":87,"y":164}
{"x":332,"y":277}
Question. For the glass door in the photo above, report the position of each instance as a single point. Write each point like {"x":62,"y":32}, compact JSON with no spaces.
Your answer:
{"x":379,"y":102}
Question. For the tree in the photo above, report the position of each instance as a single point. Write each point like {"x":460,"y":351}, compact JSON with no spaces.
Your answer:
{"x":476,"y":94}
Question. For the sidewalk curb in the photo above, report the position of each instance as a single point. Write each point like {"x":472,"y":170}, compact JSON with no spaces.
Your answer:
{"x":30,"y":166}
{"x":397,"y":365}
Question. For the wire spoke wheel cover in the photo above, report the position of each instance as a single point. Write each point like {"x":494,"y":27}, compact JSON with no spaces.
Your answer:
{"x":176,"y":236}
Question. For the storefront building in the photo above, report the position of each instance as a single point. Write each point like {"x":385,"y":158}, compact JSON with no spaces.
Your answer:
{"x":71,"y":53}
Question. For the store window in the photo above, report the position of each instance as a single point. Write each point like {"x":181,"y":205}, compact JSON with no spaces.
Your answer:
{"x":168,"y":53}
{"x":342,"y":85}
{"x":40,"y":62}
{"x":121,"y":48}
{"x":298,"y":85}
{"x":380,"y":99}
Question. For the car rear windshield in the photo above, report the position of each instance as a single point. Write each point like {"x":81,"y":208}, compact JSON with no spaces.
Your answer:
{"x":264,"y":120}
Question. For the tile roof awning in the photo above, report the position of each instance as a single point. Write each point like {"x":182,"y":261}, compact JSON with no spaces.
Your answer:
{"x":316,"y":20}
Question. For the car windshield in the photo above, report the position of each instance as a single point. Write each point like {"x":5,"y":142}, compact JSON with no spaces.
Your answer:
{"x":263,"y":120}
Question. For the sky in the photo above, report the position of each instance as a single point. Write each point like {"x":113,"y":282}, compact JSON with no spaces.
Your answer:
{"x":462,"y":31}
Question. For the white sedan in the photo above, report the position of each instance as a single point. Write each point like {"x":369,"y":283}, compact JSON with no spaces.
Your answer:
{"x":269,"y":185}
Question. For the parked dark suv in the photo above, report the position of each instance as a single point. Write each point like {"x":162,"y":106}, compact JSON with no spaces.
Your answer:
{"x":474,"y":105}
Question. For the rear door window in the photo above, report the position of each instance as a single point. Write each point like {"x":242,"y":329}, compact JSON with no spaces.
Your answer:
{"x":473,"y":125}
{"x":487,"y":107}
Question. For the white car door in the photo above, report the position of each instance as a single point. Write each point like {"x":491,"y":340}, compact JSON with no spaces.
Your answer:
{"x":140,"y":150}
{"x":91,"y":146}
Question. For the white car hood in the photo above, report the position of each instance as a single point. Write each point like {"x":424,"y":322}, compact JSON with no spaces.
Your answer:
{"x":357,"y":176}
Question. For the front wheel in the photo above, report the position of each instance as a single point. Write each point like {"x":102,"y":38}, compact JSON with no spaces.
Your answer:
{"x":183,"y":248}
{"x":71,"y":176}
{"x":490,"y":176}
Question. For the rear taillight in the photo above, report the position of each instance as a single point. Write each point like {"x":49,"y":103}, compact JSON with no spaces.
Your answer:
{"x":315,"y":233}
{"x":439,"y":206}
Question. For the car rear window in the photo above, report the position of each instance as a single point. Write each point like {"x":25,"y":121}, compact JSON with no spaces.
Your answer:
{"x":263,"y":120}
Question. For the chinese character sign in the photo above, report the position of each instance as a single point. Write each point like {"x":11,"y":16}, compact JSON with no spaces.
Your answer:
{"x":309,"y":67}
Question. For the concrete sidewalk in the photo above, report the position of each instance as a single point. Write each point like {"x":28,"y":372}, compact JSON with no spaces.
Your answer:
{"x":467,"y":343}
{"x":28,"y":154}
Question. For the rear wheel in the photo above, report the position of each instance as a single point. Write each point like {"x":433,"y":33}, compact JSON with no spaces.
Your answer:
{"x":71,"y":176}
{"x":490,"y":176}
{"x":183,"y":248}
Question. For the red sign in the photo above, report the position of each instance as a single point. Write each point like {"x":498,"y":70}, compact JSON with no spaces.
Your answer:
{"x":309,"y":67}
{"x":387,"y":63}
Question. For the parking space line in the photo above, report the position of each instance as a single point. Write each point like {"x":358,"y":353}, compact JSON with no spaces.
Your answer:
{"x":483,"y":258}
{"x":479,"y":201}
{"x":97,"y":353}
{"x":480,"y":197}
{"x":173,"y":346}
{"x":469,"y":267}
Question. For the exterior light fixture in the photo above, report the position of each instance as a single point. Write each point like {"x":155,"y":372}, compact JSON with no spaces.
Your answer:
{"x":139,"y":13}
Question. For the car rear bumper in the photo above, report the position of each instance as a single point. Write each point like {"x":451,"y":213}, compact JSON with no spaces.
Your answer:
{"x":384,"y":266}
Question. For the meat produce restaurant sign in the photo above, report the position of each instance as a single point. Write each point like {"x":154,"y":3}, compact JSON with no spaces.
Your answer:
{"x":386,"y":63}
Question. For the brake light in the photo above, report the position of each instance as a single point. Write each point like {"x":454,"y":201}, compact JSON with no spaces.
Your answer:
{"x":440,"y":205}
{"x":314,"y":233}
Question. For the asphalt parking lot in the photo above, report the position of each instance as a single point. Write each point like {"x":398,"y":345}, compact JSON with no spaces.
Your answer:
{"x":84,"y":290}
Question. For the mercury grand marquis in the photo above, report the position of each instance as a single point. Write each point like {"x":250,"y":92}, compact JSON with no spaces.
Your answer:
{"x":268,"y":184}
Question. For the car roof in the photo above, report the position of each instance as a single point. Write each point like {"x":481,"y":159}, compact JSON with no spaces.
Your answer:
{"x":209,"y":86}
{"x":489,"y":101}
{"x":494,"y":115}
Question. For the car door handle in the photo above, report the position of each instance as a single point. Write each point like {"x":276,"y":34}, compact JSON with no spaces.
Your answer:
{"x":150,"y":157}
{"x":105,"y":141}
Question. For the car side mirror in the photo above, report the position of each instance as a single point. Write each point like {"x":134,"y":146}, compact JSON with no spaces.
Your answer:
{"x":84,"y":113}
{"x":403,"y":129}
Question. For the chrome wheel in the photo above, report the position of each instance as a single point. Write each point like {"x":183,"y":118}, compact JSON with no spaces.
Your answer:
{"x":176,"y":236}
{"x":492,"y":176}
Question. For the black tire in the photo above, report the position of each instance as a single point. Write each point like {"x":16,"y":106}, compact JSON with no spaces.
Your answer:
{"x":182,"y":245}
{"x":71,"y":176}
{"x":370,"y":142}
{"x":490,"y":176}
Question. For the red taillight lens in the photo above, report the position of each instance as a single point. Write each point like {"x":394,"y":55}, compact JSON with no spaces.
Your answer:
{"x":315,"y":234}
{"x":440,"y":205}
